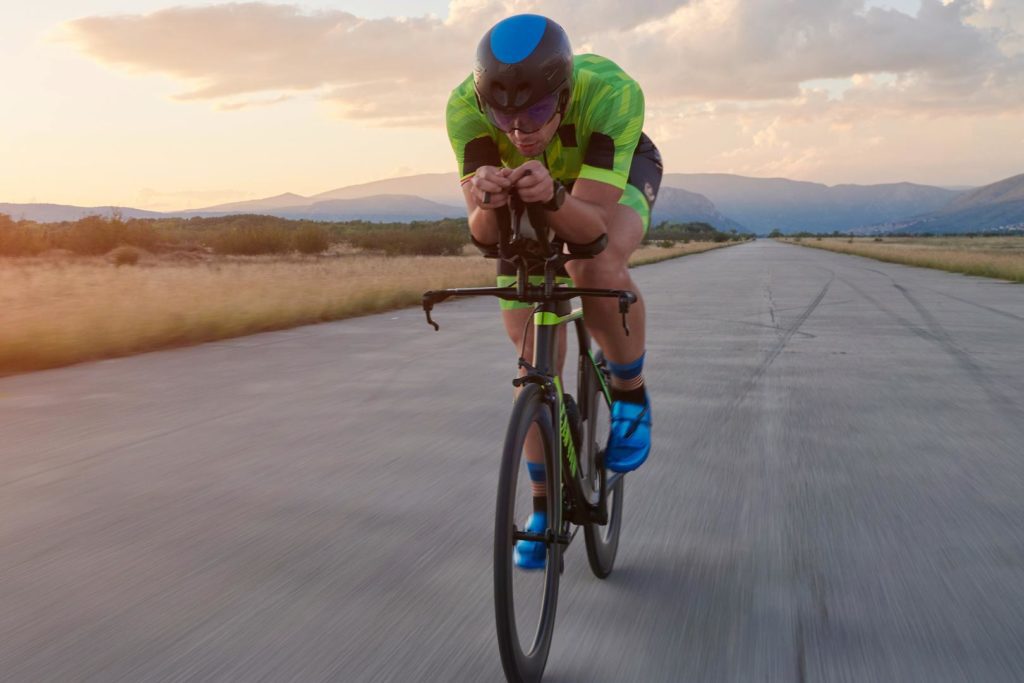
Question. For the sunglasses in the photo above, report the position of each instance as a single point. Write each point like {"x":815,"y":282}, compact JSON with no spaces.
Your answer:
{"x":528,"y":120}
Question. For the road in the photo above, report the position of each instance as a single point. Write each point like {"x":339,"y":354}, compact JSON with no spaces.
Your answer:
{"x":836,"y":493}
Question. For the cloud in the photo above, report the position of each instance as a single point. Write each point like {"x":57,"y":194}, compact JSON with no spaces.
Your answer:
{"x":953,"y":57}
{"x":235,"y":50}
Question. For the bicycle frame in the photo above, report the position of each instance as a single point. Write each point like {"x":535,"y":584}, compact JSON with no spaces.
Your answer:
{"x":549,"y":314}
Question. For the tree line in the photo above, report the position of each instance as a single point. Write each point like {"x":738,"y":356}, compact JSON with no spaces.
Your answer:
{"x":249,"y":234}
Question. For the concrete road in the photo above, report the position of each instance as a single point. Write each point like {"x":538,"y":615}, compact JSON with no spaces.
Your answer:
{"x":836,"y":494}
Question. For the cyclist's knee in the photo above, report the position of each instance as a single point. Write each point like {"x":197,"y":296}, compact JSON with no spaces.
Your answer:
{"x":515,"y":320}
{"x":594,"y":272}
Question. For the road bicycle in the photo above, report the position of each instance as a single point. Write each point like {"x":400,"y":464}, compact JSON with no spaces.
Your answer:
{"x":580,"y":493}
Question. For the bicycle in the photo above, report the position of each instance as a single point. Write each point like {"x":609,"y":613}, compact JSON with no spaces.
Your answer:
{"x":579,"y":491}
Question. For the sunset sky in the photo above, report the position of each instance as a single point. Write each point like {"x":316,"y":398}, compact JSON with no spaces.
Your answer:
{"x":164,"y":105}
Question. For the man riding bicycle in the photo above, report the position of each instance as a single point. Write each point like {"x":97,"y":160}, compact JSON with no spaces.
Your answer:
{"x":564,"y":132}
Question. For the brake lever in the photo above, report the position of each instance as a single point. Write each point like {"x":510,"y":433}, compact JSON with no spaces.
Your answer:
{"x":428,"y":306}
{"x":623,"y":311}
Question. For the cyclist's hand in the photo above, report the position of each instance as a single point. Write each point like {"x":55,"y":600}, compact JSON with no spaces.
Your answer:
{"x":490,"y":186}
{"x":533,"y":182}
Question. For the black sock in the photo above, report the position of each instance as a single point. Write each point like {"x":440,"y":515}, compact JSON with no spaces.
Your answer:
{"x":637,"y":396}
{"x":540,"y":504}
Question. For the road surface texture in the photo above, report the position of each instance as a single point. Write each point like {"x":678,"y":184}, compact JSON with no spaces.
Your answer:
{"x":836,"y":493}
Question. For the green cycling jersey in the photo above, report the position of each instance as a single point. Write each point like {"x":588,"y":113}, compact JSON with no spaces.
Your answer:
{"x":596,"y":138}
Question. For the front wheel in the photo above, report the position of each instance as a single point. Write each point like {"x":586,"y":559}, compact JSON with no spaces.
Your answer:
{"x":602,"y":539}
{"x":525,"y":600}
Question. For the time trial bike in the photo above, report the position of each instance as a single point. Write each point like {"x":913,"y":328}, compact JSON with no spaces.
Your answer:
{"x":580,"y":492}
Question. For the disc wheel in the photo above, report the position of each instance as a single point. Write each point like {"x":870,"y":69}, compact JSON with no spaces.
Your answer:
{"x":525,"y":600}
{"x":602,"y":540}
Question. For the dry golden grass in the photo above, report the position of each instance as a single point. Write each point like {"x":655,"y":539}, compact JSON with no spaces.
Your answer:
{"x":62,"y":310}
{"x":997,"y":257}
{"x":55,"y":314}
{"x":653,"y":254}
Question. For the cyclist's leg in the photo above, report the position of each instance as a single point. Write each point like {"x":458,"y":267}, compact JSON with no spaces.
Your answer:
{"x":531,"y":554}
{"x":629,"y":440}
{"x":520,"y":332}
{"x":609,"y":270}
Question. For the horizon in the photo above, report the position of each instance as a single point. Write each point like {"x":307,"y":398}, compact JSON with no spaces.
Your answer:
{"x":136,"y":105}
{"x":960,"y":188}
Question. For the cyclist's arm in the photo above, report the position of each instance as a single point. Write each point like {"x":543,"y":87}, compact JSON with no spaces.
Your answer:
{"x":615,"y":114}
{"x":483,"y":221}
{"x":586,"y":213}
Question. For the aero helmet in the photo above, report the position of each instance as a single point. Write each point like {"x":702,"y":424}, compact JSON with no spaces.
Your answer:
{"x":523,"y":74}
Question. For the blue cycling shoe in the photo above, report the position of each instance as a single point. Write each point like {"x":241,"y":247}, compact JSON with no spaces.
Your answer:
{"x":532,"y":554}
{"x":629,"y":440}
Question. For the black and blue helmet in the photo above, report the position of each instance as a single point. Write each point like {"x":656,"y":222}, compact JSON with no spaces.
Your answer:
{"x":522,"y":63}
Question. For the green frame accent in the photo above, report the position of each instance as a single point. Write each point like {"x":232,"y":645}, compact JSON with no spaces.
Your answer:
{"x":510,"y":282}
{"x":600,"y":377}
{"x":541,"y":318}
{"x":565,"y":431}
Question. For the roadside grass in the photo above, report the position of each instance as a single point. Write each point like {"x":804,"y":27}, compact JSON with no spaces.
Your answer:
{"x":62,"y":309}
{"x":995,"y":257}
{"x":653,"y":254}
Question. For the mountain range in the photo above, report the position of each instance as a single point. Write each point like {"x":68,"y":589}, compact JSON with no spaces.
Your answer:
{"x":988,"y":208}
{"x":766,"y":204}
{"x":723,"y":200}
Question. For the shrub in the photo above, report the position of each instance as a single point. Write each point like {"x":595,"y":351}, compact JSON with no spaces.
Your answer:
{"x":424,"y":242}
{"x":312,"y":239}
{"x":252,"y":240}
{"x":879,"y":239}
{"x":92,"y":235}
{"x":124,"y":256}
{"x":665,"y":244}
{"x":97,"y":235}
{"x":19,"y":239}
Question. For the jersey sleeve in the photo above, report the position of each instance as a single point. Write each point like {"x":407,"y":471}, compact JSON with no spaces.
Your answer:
{"x":615,"y":120}
{"x":470,"y":136}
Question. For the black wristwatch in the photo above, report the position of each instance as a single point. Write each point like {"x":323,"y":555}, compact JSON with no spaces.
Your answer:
{"x":558,"y":198}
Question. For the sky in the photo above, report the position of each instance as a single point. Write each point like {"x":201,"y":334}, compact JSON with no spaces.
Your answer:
{"x":167,"y":105}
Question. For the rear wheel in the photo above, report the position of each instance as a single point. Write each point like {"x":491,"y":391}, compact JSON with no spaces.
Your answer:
{"x":602,"y":539}
{"x":525,"y":600}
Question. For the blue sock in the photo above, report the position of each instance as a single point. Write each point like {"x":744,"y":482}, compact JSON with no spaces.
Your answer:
{"x":537,"y":475}
{"x":630,"y":375}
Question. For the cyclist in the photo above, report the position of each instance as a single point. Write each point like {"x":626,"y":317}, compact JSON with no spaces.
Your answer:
{"x":563,"y":131}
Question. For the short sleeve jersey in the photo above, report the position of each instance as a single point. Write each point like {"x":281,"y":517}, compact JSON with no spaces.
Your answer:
{"x":595,"y":140}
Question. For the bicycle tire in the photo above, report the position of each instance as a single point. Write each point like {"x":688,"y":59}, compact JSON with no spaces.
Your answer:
{"x":525,"y":664}
{"x":602,"y":540}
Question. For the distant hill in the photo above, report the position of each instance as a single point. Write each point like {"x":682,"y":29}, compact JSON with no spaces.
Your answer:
{"x":439,"y":188}
{"x":381,"y":208}
{"x":1007,"y":190}
{"x":442,"y":188}
{"x":443,"y":196}
{"x":55,"y":213}
{"x":723,"y":200}
{"x":679,"y":206}
{"x":998,"y":206}
{"x":258,"y":205}
{"x":766,"y":204}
